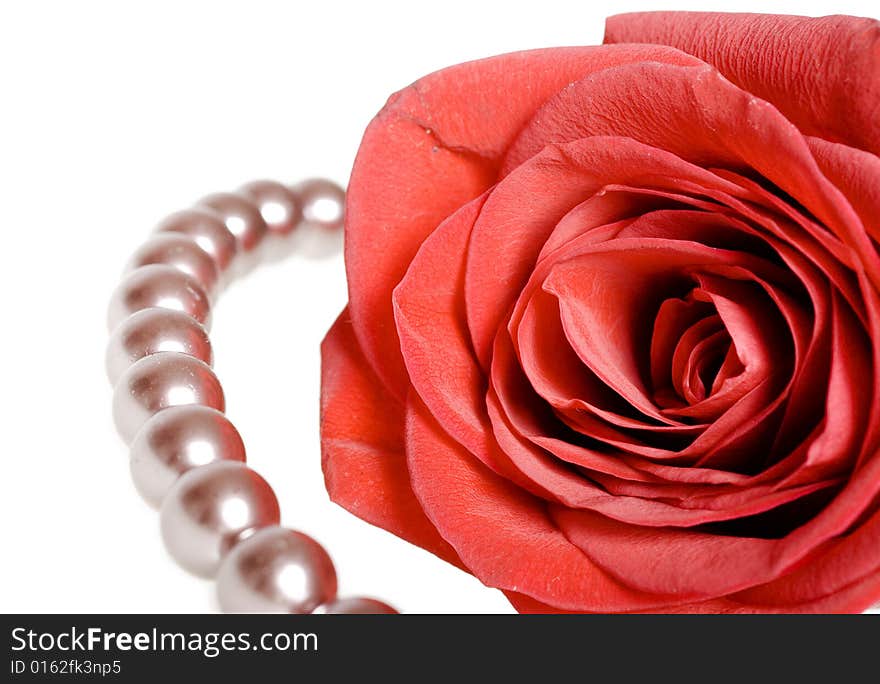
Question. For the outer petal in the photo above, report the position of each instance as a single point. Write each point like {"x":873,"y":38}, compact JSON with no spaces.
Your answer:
{"x":428,"y":309}
{"x":855,"y":598}
{"x":695,"y":113}
{"x":436,"y":145}
{"x":503,"y":534}
{"x":507,"y":539}
{"x":855,"y":173}
{"x":845,"y":578}
{"x":823,"y":74}
{"x":691,"y":112}
{"x":362,"y":451}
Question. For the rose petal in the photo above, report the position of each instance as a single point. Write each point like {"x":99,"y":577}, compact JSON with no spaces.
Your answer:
{"x":709,"y":330}
{"x":844,"y":578}
{"x":822,"y":73}
{"x":674,"y":317}
{"x":435,"y":146}
{"x":514,"y":423}
{"x":560,"y":378}
{"x":429,"y":314}
{"x":525,"y":208}
{"x":697,"y":114}
{"x":604,"y":303}
{"x":855,"y":173}
{"x":499,"y":531}
{"x":688,"y":564}
{"x":773,"y":598}
{"x":699,"y":564}
{"x":362,"y":445}
{"x":837,"y":447}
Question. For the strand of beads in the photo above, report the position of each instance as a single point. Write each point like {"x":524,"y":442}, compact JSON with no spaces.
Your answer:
{"x":218,"y":517}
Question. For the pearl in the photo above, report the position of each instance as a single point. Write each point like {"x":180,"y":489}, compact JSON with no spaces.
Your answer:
{"x":211,"y":508}
{"x":207,"y":229}
{"x":154,"y":330}
{"x":217,"y":516}
{"x":244,"y":221}
{"x":162,"y":286}
{"x":355,"y":606}
{"x":323,"y":203}
{"x":160,"y":381}
{"x":278,"y":205}
{"x":175,"y":441}
{"x":276,"y":570}
{"x":183,"y":253}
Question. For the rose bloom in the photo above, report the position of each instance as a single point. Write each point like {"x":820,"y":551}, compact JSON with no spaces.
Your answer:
{"x":613,"y":339}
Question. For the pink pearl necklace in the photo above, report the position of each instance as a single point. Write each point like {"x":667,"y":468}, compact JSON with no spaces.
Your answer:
{"x":219,"y":518}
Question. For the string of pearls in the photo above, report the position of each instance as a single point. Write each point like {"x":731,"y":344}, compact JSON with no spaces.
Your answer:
{"x":218,"y":517}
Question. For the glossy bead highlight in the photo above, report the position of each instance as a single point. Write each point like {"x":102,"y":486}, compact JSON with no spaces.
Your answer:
{"x":323,"y":203}
{"x":210,"y":509}
{"x":244,"y":220}
{"x":176,"y":440}
{"x":161,"y":286}
{"x":160,"y":381}
{"x":151,"y":331}
{"x":208,"y":230}
{"x":279,"y":206}
{"x":217,"y":516}
{"x":182,"y":252}
{"x":276,"y":570}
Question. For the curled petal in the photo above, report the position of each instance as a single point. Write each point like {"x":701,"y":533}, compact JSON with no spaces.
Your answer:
{"x":447,"y":131}
{"x":822,"y":73}
{"x":362,"y":445}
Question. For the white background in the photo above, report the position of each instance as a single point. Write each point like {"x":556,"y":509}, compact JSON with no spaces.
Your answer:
{"x":115,"y":114}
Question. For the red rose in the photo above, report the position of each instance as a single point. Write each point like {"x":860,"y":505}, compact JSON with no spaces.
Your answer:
{"x":613,"y":341}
